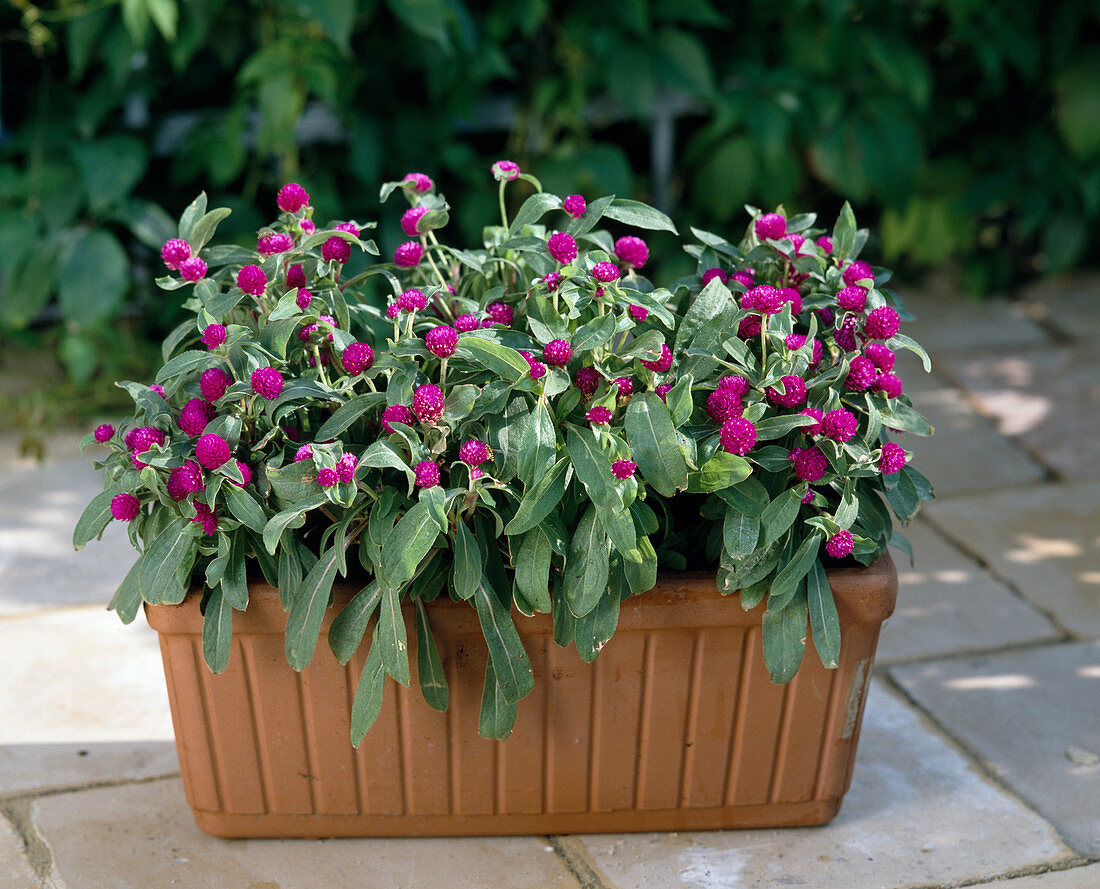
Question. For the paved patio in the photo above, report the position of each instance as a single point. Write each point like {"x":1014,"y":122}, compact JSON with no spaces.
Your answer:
{"x":980,"y":756}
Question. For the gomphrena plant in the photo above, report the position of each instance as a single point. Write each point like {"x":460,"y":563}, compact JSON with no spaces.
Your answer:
{"x":529,"y":426}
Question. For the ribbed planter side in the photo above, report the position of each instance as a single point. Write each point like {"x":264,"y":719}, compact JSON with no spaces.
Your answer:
{"x":675,"y":726}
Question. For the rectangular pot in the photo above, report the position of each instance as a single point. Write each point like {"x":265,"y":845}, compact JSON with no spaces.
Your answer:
{"x":675,"y":726}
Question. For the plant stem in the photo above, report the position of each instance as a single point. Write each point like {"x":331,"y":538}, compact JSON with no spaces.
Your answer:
{"x":500,"y":198}
{"x":431,"y":262}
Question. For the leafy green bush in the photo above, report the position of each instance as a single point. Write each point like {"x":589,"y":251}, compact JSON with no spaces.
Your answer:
{"x":936,"y":115}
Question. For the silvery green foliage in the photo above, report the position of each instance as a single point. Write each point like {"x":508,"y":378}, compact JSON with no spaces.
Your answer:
{"x":543,"y":525}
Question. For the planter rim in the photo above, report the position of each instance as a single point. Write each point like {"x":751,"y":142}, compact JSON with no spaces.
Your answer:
{"x":863,"y":595}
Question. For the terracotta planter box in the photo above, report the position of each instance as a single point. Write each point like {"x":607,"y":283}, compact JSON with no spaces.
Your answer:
{"x":675,"y":726}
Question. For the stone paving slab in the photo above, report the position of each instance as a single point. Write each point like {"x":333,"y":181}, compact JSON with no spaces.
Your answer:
{"x":1048,"y":398}
{"x":918,"y":813}
{"x":77,"y":680}
{"x":946,"y":319}
{"x":1034,"y":718}
{"x":15,"y":870}
{"x":142,"y":836}
{"x":1068,"y":303}
{"x":948,"y":603}
{"x":1044,"y":539}
{"x":966,"y":453}
{"x":39,"y":507}
{"x":1085,"y":877}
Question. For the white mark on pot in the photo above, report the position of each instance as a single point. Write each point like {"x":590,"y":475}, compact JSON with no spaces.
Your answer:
{"x":855,"y":696}
{"x":713,"y":868}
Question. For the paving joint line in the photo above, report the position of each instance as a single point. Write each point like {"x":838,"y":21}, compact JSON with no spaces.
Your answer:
{"x":966,"y":653}
{"x":1027,"y":870}
{"x":29,"y":796}
{"x":38,"y":853}
{"x":984,"y":563}
{"x":981,"y":765}
{"x":574,"y":862}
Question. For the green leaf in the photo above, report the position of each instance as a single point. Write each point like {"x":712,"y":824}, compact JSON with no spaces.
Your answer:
{"x":641,"y":576}
{"x":639,"y":215}
{"x":754,"y":567}
{"x":95,"y":517}
{"x":723,"y":470}
{"x":217,"y":631}
{"x":245,"y":508}
{"x":290,"y":573}
{"x":844,"y":233}
{"x":347,"y":629}
{"x":382,"y":454}
{"x":904,"y":498}
{"x":565,"y":623}
{"x":93,"y":277}
{"x":393,"y":637}
{"x":501,"y":360}
{"x":784,"y":635}
{"x":776,"y":427}
{"x":498,"y":714}
{"x":592,"y":215}
{"x":347,"y":414}
{"x":407,"y":545}
{"x":468,"y":567}
{"x":307,"y":610}
{"x":652,"y":439}
{"x":900,"y":416}
{"x":368,"y":694}
{"x":429,"y":668}
{"x":158,"y":579}
{"x":234,"y":580}
{"x":679,"y":401}
{"x":533,"y":209}
{"x":273,"y":530}
{"x":204,"y":229}
{"x":779,"y":515}
{"x":436,"y":502}
{"x":824,"y":621}
{"x":533,"y":570}
{"x":596,"y":627}
{"x":286,"y":307}
{"x":191,"y":215}
{"x":786,"y":582}
{"x":711,"y":300}
{"x":619,"y":527}
{"x":593,"y":334}
{"x":848,"y":510}
{"x":586,"y":566}
{"x":275,"y":335}
{"x":541,"y":499}
{"x":185,"y":363}
{"x":901,"y":341}
{"x":506,"y":652}
{"x":740,"y":531}
{"x":593,"y":468}
{"x":127,"y":598}
{"x":748,"y":496}
{"x":538,"y":445}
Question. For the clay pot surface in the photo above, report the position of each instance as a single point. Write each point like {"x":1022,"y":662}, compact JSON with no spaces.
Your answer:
{"x":675,"y":726}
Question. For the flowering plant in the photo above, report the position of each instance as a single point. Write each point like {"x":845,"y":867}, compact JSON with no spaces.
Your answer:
{"x":531,"y":425}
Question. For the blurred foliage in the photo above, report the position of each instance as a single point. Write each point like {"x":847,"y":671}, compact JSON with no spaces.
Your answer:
{"x":972,"y":129}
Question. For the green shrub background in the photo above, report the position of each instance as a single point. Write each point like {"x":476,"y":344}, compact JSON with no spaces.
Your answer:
{"x":970,"y":130}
